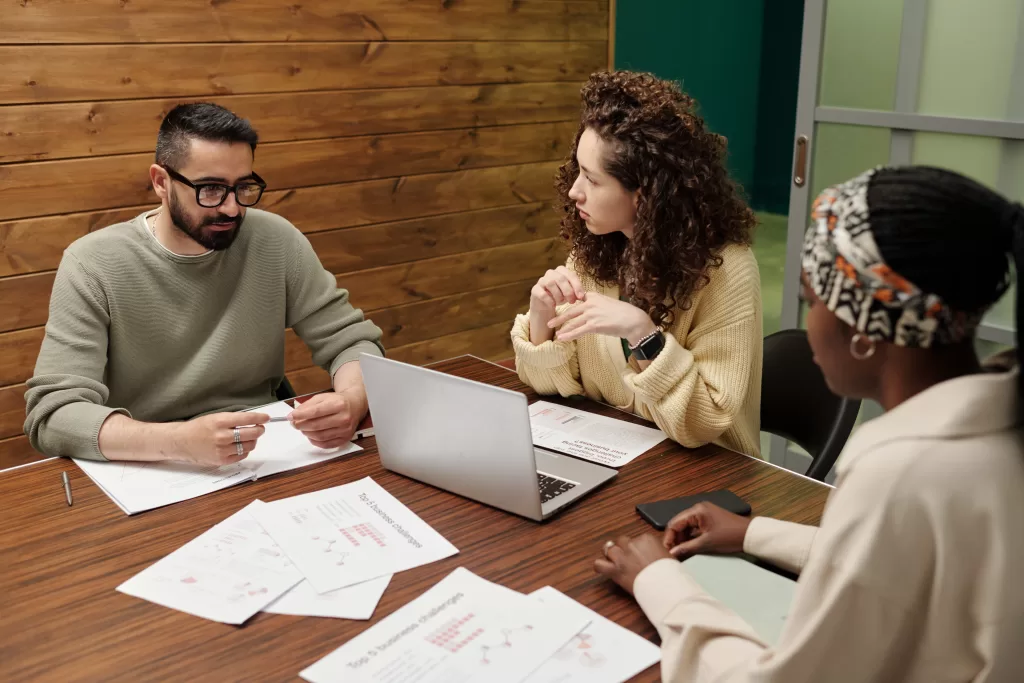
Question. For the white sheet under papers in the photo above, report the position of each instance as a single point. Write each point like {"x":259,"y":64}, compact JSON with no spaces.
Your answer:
{"x":351,"y":533}
{"x":463,"y":630}
{"x":227,"y":574}
{"x":599,"y":439}
{"x":139,"y":486}
{"x":762,"y":598}
{"x":354,"y":602}
{"x":603,"y":652}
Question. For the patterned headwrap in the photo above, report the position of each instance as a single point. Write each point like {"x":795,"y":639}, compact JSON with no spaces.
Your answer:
{"x":846,"y":271}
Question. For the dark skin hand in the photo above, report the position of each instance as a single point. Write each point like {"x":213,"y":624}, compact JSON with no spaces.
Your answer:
{"x":704,"y":528}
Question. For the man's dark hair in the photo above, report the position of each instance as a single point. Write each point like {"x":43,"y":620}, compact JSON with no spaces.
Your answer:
{"x":201,"y":121}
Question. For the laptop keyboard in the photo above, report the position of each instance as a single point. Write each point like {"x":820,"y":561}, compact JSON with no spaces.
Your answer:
{"x":552,"y":486}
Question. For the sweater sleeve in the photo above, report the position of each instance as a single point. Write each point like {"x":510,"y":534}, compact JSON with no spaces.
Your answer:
{"x":695,"y":392}
{"x":320,"y":313}
{"x":551,"y":367}
{"x":66,"y":394}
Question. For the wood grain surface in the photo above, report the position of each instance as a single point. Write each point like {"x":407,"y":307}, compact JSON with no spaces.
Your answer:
{"x":62,"y":619}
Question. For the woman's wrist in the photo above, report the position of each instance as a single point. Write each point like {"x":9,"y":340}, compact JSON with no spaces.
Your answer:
{"x":539,"y":330}
{"x":643,"y":329}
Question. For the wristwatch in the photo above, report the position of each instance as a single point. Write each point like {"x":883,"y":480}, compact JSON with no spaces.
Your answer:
{"x":649,"y":347}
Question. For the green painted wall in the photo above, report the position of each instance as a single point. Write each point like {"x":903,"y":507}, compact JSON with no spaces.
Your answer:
{"x":730,"y":57}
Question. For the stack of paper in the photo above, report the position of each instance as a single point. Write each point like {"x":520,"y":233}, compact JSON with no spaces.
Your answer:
{"x":599,"y":439}
{"x":328,"y":554}
{"x":139,"y":486}
{"x":467,"y":629}
{"x":227,"y":574}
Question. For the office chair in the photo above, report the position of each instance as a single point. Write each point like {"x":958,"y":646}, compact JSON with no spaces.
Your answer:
{"x":285,"y":390}
{"x":797,"y":405}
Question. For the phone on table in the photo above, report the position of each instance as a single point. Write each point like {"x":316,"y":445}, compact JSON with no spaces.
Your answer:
{"x":661,"y":512}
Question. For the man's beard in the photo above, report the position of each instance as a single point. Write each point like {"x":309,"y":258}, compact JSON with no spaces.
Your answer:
{"x":211,"y":239}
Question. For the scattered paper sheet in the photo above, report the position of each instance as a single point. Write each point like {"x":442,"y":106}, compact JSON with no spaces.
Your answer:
{"x":351,"y":533}
{"x":139,"y":486}
{"x":603,"y":652}
{"x":355,"y":602}
{"x":227,"y":574}
{"x":462,"y":630}
{"x":760,"y":597}
{"x":600,"y":439}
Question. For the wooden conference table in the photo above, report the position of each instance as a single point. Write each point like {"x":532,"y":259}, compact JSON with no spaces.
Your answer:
{"x":62,"y":620}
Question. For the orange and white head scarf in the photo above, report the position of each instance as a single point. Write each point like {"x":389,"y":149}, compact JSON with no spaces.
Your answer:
{"x":846,"y":271}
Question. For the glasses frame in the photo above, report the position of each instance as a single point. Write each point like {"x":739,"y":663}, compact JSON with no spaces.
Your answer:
{"x":229,"y":189}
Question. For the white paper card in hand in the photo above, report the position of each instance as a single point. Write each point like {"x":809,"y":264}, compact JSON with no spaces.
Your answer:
{"x":463,"y":630}
{"x":351,"y":533}
{"x":760,"y":597}
{"x":603,"y":652}
{"x":227,"y":574}
{"x":283,"y":447}
{"x":353,"y":602}
{"x":600,"y":439}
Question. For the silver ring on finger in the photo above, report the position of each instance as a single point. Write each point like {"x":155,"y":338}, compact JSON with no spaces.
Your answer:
{"x":608,"y":545}
{"x":238,"y":436}
{"x":239,"y":450}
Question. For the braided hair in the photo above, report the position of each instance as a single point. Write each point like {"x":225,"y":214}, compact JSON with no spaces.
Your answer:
{"x":949,"y":235}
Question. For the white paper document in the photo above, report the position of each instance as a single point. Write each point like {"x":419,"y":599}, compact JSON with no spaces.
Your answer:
{"x":351,"y":533}
{"x":760,"y":597}
{"x":603,"y":652}
{"x":139,"y":486}
{"x":463,"y":630}
{"x":355,"y":602}
{"x":227,"y":574}
{"x":600,"y":439}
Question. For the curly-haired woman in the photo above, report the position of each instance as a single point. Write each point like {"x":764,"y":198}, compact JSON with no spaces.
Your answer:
{"x":658,"y":310}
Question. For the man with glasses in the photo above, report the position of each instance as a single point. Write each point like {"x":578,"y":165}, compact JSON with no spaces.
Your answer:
{"x":163,"y":328}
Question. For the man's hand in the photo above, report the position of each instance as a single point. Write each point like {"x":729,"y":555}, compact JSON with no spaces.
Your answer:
{"x":210,"y":439}
{"x":600,"y":314}
{"x":328,"y":420}
{"x":624,"y":559}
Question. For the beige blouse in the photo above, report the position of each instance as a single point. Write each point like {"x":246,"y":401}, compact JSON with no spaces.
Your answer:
{"x":916,"y":573}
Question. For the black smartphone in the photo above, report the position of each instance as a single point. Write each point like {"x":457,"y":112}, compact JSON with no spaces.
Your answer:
{"x":660,"y":513}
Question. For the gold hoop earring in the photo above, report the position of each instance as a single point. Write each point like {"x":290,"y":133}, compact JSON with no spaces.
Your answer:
{"x":861,"y":354}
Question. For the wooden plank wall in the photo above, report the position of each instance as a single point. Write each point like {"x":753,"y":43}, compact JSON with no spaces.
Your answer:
{"x":413,"y":141}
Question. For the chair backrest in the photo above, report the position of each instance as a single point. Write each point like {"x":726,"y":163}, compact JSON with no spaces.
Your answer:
{"x":285,"y":390}
{"x":797,"y":404}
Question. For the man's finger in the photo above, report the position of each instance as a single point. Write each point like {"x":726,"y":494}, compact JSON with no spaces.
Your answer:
{"x":243,"y":419}
{"x":317,"y":424}
{"x":343,"y":432}
{"x":684,"y":550}
{"x":326,"y":405}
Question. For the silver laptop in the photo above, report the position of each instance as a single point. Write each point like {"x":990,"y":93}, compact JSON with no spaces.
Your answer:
{"x":470,"y":438}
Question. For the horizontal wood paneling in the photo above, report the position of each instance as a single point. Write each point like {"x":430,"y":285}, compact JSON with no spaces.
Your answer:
{"x":48,"y":187}
{"x":69,"y":73}
{"x":18,"y":351}
{"x":17,"y":451}
{"x":438,"y":317}
{"x":12,"y":410}
{"x":36,"y":132}
{"x":151,"y":21}
{"x":431,"y":278}
{"x":373,"y":246}
{"x":36,"y":244}
{"x":490,"y":343}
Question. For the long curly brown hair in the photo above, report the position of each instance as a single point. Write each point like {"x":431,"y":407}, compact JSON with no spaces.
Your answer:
{"x":688,"y":208}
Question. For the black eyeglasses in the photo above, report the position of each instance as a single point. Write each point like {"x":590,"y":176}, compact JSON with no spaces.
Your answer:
{"x":212,"y":195}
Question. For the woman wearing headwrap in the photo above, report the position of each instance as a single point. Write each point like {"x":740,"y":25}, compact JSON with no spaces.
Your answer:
{"x":917,"y":570}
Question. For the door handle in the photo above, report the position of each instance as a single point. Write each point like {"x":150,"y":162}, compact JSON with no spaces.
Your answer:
{"x":800,"y":167}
